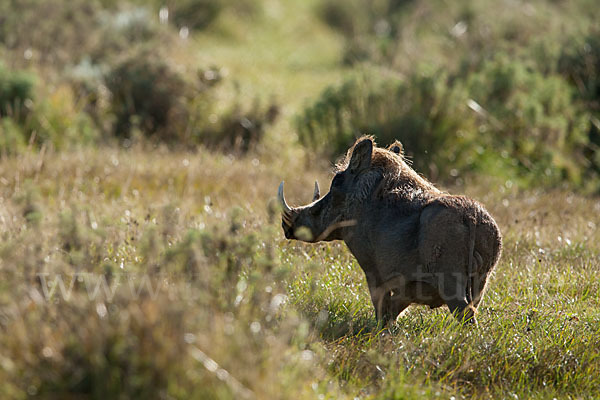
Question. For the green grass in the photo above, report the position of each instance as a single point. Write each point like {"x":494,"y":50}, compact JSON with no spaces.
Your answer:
{"x":195,"y":265}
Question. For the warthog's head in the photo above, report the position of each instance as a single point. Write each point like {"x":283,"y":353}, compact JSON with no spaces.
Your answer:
{"x":327,"y":217}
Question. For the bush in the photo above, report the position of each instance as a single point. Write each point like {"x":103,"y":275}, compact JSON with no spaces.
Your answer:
{"x":12,"y":138}
{"x":196,"y":14}
{"x":16,"y":87}
{"x":125,"y":31}
{"x":239,"y":130}
{"x":150,"y":96}
{"x":428,"y":117}
{"x":580,"y":64}
{"x":360,"y":17}
{"x":530,"y":116}
{"x":55,"y":119}
{"x":505,"y":119}
{"x":147,"y":94}
{"x":369,"y":26}
{"x":59,"y":120}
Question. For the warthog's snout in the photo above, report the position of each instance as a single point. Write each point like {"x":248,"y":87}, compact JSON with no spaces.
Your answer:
{"x":302,"y":222}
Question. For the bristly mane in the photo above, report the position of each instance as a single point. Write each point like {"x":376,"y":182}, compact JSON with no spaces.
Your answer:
{"x":400,"y":181}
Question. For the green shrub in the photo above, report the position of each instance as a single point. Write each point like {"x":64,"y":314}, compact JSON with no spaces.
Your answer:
{"x":196,"y":14}
{"x":240,"y":129}
{"x":12,"y":138}
{"x":60,"y":121}
{"x":360,"y":17}
{"x":369,"y":27}
{"x":124,"y":31}
{"x":16,"y":87}
{"x":531,"y":117}
{"x":55,"y":119}
{"x":430,"y":118}
{"x":347,"y":17}
{"x":505,"y":119}
{"x":579,"y":62}
{"x":150,"y":96}
{"x":147,"y":93}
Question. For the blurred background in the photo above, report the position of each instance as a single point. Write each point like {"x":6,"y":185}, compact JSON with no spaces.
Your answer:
{"x":141,"y":145}
{"x":507,"y":88}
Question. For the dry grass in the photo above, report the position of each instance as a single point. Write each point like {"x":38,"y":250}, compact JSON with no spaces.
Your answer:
{"x":196,"y":271}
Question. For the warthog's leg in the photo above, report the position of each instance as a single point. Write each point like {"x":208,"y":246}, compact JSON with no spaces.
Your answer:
{"x":478,"y":281}
{"x":388,"y":306}
{"x":454,"y":293}
{"x":462,"y":310}
{"x":381,"y":300}
{"x":389,"y":299}
{"x":398,"y":304}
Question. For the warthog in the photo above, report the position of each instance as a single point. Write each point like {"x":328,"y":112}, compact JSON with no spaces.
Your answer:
{"x":415,"y":243}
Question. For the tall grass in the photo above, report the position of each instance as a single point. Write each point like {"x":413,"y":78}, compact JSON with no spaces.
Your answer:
{"x":141,"y":277}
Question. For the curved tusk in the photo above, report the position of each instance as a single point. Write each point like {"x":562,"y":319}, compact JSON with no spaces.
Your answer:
{"x":317,"y":193}
{"x":284,"y":205}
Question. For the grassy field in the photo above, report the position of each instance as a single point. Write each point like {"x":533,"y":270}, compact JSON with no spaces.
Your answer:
{"x":146,"y":271}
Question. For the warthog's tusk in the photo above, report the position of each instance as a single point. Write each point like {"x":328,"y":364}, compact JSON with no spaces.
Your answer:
{"x":287,"y":211}
{"x":333,"y":227}
{"x":317,"y":193}
{"x":286,"y":219}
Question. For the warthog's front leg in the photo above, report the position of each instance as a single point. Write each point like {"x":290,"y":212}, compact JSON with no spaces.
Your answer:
{"x":389,"y":300}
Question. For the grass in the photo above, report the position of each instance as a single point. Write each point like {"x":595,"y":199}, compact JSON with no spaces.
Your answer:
{"x":177,"y":257}
{"x":284,"y":52}
{"x":154,"y":273}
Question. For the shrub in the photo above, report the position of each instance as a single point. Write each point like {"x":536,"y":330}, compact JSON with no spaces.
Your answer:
{"x":16,"y":87}
{"x":58,"y":119}
{"x":12,"y":138}
{"x":531,"y":117}
{"x":196,"y":14}
{"x":368,"y":26}
{"x":360,"y":17}
{"x":238,"y":129}
{"x":124,"y":31}
{"x":579,"y":62}
{"x":148,"y":94}
{"x":428,"y":117}
{"x":506,"y":119}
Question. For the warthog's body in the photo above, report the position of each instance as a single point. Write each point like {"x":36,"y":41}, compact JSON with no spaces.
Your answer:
{"x":415,"y":243}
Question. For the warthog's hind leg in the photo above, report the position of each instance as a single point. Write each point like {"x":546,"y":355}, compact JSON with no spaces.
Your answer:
{"x":454,"y":294}
{"x":462,"y":311}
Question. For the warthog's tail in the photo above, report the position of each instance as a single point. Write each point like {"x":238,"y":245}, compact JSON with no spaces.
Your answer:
{"x":471,"y":267}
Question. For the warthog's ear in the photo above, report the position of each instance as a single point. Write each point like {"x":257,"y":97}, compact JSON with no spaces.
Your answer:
{"x":397,"y":148}
{"x":361,"y":156}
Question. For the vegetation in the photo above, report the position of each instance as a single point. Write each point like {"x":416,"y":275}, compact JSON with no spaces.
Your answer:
{"x":493,"y":96}
{"x":142,"y":254}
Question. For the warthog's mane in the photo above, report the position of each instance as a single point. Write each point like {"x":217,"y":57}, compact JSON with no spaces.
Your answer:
{"x":397,"y":180}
